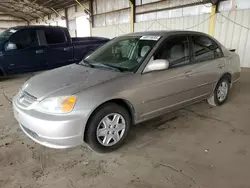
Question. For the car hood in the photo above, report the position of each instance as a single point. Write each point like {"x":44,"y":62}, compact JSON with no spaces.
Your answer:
{"x":72,"y":78}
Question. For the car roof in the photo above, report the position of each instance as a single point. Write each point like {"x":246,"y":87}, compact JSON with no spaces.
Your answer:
{"x":164,"y":33}
{"x":36,"y":27}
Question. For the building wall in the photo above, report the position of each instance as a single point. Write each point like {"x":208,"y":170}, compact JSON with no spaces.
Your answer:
{"x":181,"y":23}
{"x":232,"y":24}
{"x":232,"y":30}
{"x":111,"y":31}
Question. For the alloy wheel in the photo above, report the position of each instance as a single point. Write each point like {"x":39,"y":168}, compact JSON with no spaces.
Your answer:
{"x":111,"y":129}
{"x":222,"y":91}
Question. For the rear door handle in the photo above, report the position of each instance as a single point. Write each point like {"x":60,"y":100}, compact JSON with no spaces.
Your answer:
{"x":188,"y":73}
{"x":39,"y":51}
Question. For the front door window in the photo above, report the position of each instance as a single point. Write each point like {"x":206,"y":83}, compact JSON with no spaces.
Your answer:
{"x":176,"y":51}
{"x":21,"y":40}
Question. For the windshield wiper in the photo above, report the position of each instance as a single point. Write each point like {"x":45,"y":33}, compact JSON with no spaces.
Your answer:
{"x":93,"y":65}
{"x":114,"y":67}
{"x":108,"y":66}
{"x":86,"y":63}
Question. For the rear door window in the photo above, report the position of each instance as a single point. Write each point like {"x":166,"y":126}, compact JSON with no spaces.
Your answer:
{"x":205,"y":49}
{"x":55,"y":36}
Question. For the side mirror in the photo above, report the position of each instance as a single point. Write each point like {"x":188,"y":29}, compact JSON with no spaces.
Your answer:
{"x":10,"y":46}
{"x":156,"y":65}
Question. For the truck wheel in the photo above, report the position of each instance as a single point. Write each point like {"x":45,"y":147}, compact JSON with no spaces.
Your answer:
{"x":108,"y":128}
{"x":221,"y":92}
{"x":1,"y":73}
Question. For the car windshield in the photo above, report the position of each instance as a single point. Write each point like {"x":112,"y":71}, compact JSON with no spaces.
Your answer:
{"x":5,"y":35}
{"x":123,"y":53}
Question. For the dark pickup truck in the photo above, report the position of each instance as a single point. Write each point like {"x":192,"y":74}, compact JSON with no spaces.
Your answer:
{"x":36,"y":48}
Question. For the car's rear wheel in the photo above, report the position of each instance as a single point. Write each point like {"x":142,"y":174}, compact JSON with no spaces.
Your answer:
{"x":108,"y":128}
{"x":221,"y":92}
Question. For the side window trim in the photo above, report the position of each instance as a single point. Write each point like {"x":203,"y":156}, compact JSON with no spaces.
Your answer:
{"x":173,"y":36}
{"x":192,"y":48}
{"x":222,"y":55}
{"x":41,"y":37}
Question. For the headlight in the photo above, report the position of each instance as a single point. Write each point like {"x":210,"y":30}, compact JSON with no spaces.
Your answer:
{"x":58,"y":105}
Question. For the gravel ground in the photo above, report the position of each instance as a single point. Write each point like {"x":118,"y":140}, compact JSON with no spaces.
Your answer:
{"x":196,"y":147}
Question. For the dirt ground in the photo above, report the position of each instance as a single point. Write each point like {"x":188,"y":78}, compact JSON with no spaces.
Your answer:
{"x":196,"y":147}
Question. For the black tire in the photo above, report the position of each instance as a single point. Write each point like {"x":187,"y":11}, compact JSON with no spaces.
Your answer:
{"x":214,"y":99}
{"x":96,"y":118}
{"x":1,"y":73}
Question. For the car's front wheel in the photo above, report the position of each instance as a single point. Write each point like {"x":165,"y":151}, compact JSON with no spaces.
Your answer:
{"x":108,"y":128}
{"x":221,"y":92}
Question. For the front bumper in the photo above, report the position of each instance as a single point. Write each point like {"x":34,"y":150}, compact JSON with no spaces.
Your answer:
{"x":53,"y":131}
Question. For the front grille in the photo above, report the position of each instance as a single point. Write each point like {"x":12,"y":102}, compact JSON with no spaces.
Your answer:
{"x":25,"y":99}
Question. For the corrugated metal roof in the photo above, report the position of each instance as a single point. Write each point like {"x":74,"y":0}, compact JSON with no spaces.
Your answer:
{"x":32,"y":9}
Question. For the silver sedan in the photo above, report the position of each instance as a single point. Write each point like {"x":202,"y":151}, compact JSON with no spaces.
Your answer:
{"x":131,"y":79}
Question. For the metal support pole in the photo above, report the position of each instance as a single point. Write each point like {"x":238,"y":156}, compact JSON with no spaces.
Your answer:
{"x":57,"y":13}
{"x":67,"y":18}
{"x":87,"y":12}
{"x":84,"y":8}
{"x":212,"y":20}
{"x":132,"y":15}
{"x":91,"y":16}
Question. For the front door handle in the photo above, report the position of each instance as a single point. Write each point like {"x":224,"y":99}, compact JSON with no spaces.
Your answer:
{"x":188,"y":73}
{"x":221,"y":66}
{"x":39,"y":51}
{"x":67,"y":49}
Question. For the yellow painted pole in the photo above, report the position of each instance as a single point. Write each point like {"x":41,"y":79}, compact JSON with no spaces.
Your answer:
{"x":212,"y":20}
{"x":132,"y":16}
